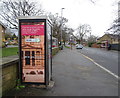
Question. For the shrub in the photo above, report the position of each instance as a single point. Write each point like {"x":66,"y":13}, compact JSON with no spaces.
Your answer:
{"x":90,"y":44}
{"x":99,"y":43}
{"x":3,"y":44}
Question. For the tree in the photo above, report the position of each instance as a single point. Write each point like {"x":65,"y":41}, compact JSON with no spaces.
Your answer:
{"x":83,"y":30}
{"x":115,"y":27}
{"x":8,"y":35}
{"x":14,"y":37}
{"x":92,"y":38}
{"x":11,"y":10}
{"x":67,"y":33}
{"x":58,"y":25}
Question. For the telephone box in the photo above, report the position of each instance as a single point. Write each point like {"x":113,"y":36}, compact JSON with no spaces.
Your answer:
{"x":35,"y":50}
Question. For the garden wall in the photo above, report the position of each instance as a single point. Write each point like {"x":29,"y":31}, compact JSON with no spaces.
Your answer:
{"x":9,"y":74}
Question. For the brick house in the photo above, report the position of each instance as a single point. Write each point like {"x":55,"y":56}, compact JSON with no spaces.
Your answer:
{"x":108,"y":39}
{"x":2,"y":33}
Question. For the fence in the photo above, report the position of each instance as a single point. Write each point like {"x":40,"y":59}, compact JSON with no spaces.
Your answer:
{"x":115,"y":47}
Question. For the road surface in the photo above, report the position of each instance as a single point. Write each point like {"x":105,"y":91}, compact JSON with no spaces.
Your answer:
{"x":107,"y":59}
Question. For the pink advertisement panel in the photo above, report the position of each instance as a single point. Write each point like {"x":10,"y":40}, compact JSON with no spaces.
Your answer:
{"x":32,"y":29}
{"x":32,"y":46}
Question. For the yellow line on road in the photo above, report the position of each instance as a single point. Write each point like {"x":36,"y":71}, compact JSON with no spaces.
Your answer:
{"x":113,"y":74}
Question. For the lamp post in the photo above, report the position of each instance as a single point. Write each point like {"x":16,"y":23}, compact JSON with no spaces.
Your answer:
{"x":61,"y":22}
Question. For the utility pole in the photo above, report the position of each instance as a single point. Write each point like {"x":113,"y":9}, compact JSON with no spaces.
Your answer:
{"x":61,"y":22}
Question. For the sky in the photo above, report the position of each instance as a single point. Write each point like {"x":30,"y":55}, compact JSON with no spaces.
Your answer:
{"x":99,"y":15}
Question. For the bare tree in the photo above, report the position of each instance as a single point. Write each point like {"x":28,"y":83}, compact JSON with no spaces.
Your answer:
{"x":93,"y":1}
{"x":92,"y":38}
{"x":56,"y":20}
{"x":67,"y":33}
{"x":11,"y":10}
{"x":115,"y":27}
{"x":83,"y":30}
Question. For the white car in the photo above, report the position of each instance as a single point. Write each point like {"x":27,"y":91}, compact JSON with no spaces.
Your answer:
{"x":79,"y":46}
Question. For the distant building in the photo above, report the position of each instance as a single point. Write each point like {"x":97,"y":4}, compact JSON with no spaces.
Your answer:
{"x":2,"y":33}
{"x":108,"y":39}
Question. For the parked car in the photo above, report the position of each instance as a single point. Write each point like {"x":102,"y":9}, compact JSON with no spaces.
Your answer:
{"x":79,"y":46}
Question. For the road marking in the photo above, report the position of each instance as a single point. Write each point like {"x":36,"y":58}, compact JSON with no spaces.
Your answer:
{"x":113,"y":74}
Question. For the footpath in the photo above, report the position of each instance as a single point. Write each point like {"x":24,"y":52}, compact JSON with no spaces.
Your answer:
{"x":74,"y":75}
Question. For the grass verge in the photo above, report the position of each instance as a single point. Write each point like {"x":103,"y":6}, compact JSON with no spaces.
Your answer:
{"x":9,"y":51}
{"x":67,"y":47}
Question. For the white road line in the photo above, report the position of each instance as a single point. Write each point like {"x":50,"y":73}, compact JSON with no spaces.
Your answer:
{"x":102,"y":67}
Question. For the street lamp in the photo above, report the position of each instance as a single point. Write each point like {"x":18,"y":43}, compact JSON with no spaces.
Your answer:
{"x":62,"y":12}
{"x":61,"y":22}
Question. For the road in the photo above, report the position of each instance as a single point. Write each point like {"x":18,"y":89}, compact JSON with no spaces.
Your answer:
{"x":107,"y":59}
{"x":74,"y":75}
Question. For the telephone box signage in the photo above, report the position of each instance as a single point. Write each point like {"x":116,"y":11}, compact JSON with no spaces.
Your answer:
{"x":33,"y":40}
{"x":32,"y":52}
{"x":32,"y":29}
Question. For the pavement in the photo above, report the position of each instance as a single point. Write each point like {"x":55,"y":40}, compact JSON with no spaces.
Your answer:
{"x":74,"y":75}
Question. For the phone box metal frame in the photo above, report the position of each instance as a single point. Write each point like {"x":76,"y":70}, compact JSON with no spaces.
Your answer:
{"x":25,"y":26}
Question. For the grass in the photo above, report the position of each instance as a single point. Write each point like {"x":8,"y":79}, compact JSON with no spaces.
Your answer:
{"x":67,"y":46}
{"x":9,"y":51}
{"x":4,"y":52}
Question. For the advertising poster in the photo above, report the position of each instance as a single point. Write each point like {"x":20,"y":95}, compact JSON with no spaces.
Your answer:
{"x":32,"y":47}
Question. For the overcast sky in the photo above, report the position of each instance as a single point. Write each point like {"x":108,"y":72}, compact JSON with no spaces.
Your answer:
{"x":99,"y":15}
